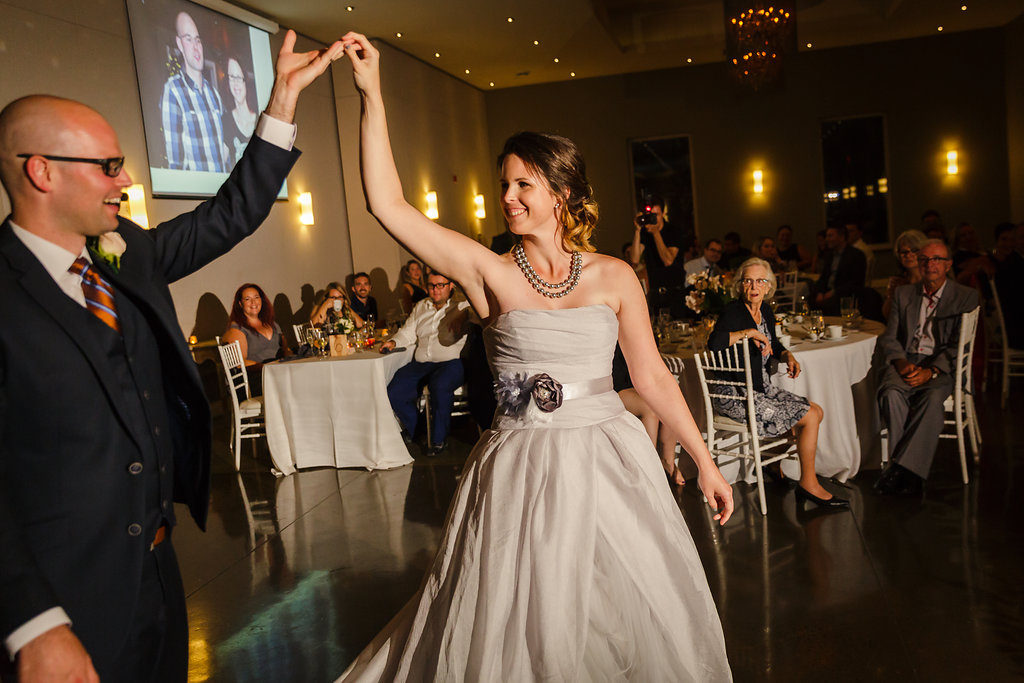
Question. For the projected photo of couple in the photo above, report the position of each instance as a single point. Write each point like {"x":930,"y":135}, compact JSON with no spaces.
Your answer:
{"x":203,"y":79}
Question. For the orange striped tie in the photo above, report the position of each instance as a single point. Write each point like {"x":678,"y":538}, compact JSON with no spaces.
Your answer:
{"x":99,"y":296}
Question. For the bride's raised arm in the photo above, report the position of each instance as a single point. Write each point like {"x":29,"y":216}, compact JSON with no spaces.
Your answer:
{"x":447,"y":251}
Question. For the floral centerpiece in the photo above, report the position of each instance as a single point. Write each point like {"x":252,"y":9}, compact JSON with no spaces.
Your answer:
{"x":708,"y":294}
{"x":340,"y":322}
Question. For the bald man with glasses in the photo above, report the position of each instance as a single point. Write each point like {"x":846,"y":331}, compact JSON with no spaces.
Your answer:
{"x":919,"y":350}
{"x":103,"y":421}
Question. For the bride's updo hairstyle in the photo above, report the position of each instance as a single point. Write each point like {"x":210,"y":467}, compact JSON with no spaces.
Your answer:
{"x":559,"y":162}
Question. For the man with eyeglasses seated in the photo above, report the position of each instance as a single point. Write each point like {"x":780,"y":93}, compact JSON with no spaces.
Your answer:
{"x":708,"y":263}
{"x":919,"y":349}
{"x":191,"y":111}
{"x":103,"y":420}
{"x":437,"y":325}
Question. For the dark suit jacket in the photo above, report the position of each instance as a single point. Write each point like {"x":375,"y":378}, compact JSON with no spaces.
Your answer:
{"x":66,"y":495}
{"x":905,"y":314}
{"x":736,"y":317}
{"x":849,"y":275}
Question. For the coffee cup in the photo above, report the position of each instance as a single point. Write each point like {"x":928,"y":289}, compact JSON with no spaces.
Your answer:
{"x":835,"y":331}
{"x":785,"y":340}
{"x":337,"y":304}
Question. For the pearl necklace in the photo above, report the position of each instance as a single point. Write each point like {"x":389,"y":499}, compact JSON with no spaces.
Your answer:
{"x":546,"y":288}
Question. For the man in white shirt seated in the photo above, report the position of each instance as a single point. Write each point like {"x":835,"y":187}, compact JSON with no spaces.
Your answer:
{"x":437,"y":325}
{"x":708,"y":263}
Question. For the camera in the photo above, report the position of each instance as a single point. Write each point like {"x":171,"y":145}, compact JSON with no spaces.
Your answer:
{"x":648,"y":217}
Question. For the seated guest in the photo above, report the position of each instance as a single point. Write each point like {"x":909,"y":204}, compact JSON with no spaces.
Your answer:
{"x":931,"y":225}
{"x":820,"y":252}
{"x":1007,"y":267}
{"x":919,"y":349}
{"x":855,"y":237}
{"x":708,"y":263}
{"x":333,"y":304}
{"x":906,"y":248}
{"x":733,"y":253}
{"x":965,"y":247}
{"x":364,"y":305}
{"x":259,"y":337}
{"x":764,"y":249}
{"x":750,"y":318}
{"x":843,"y":274}
{"x":412,"y":289}
{"x":792,"y":254}
{"x":437,"y":327}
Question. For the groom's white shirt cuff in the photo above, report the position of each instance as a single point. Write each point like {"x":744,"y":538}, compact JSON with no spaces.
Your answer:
{"x":35,"y":627}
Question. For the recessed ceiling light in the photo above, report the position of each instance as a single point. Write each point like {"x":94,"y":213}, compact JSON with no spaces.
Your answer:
{"x":492,"y":84}
{"x":810,"y":45}
{"x":572,"y":74}
{"x":467,"y":70}
{"x":963,"y":8}
{"x":536,"y":42}
{"x":437,"y":54}
{"x":350,"y":8}
{"x":556,"y":60}
{"x":689,"y":60}
{"x":398,"y":35}
{"x":940,"y":28}
{"x":510,"y":19}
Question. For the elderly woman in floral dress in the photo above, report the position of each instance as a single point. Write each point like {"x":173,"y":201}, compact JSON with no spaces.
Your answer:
{"x":750,"y":318}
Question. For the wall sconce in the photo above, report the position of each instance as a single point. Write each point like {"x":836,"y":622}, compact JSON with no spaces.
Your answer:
{"x":951,"y":163}
{"x":431,"y":211}
{"x":758,"y":184}
{"x":883,"y":185}
{"x":306,"y":208}
{"x":478,"y":202}
{"x":137,"y":205}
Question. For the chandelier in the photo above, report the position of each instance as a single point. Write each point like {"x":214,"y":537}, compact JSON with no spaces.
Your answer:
{"x":757,"y":36}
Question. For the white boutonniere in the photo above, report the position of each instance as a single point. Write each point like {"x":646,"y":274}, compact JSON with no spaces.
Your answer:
{"x":109,"y":246}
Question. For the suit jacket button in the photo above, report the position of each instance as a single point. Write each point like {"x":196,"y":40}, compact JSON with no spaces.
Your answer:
{"x":134,"y":529}
{"x":135,"y":467}
{"x":145,"y":394}
{"x":156,"y":430}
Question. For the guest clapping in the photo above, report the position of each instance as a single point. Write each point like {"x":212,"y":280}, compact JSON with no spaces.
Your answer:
{"x":750,"y":318}
{"x":333,"y":305}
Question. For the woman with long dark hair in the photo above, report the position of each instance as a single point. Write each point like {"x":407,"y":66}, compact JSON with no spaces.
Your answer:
{"x":252,"y":326}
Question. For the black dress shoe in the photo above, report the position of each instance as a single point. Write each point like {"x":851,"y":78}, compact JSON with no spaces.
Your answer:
{"x":833,"y":503}
{"x":897,"y":480}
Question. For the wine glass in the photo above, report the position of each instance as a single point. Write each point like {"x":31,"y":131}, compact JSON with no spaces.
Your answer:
{"x":802,"y":307}
{"x":319,"y":339}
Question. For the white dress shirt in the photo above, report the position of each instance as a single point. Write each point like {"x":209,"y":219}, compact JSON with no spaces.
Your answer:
{"x":700,"y":265}
{"x":57,"y":260}
{"x":924,"y":336}
{"x":428,"y":328}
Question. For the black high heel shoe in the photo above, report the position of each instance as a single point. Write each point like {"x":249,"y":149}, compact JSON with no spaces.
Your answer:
{"x":833,"y":503}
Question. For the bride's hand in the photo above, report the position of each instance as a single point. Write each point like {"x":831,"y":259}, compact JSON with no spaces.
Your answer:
{"x":365,"y":60}
{"x":718,"y":492}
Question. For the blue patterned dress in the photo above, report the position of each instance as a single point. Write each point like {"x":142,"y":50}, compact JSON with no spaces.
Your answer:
{"x":777,"y":410}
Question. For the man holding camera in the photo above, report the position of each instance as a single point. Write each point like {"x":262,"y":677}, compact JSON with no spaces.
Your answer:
{"x":662,"y":242}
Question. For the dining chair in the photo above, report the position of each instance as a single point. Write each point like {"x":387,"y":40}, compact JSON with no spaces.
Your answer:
{"x":460,"y":407}
{"x":299,"y":330}
{"x":785,"y":290}
{"x":1010,"y":360}
{"x":960,"y":413}
{"x":727,"y":438}
{"x":247,"y":413}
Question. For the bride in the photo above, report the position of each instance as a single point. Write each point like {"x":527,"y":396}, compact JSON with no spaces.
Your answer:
{"x":564,"y":556}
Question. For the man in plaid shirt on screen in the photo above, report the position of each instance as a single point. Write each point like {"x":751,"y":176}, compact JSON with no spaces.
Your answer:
{"x":191,"y":109}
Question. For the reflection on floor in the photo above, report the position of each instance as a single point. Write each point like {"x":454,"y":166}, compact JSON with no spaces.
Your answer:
{"x":297,"y":574}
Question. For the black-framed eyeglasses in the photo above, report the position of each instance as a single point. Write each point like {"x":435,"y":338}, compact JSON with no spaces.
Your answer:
{"x":437,"y":285}
{"x":111,"y":166}
{"x":925,"y":260}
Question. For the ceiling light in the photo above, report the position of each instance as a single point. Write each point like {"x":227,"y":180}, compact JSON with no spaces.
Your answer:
{"x":810,"y":45}
{"x":492,"y":84}
{"x":398,"y":35}
{"x":940,"y":28}
{"x":467,"y":70}
{"x":536,"y":42}
{"x":572,"y":74}
{"x":556,"y":60}
{"x":350,"y":8}
{"x":689,"y":60}
{"x":963,"y":8}
{"x":437,"y":54}
{"x":510,"y":20}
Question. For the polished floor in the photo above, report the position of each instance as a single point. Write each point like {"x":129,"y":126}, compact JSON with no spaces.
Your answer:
{"x":295,"y":575}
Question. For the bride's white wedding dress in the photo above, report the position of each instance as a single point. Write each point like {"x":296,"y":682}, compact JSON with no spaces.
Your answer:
{"x":564,"y":557}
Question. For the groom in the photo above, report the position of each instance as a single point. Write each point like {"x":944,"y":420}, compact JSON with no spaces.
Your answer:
{"x":103,"y":421}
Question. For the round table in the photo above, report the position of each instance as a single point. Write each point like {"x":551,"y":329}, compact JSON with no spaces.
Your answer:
{"x":835,"y":374}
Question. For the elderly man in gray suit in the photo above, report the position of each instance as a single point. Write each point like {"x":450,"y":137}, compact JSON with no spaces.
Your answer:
{"x":919,"y":347}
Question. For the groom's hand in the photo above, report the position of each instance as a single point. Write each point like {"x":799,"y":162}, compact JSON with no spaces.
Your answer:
{"x":56,"y":655}
{"x":293,"y":72}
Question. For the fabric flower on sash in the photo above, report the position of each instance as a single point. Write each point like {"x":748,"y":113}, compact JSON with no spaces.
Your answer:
{"x":513,"y":393}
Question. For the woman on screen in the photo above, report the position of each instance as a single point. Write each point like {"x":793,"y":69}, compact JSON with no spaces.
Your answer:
{"x":240,"y":122}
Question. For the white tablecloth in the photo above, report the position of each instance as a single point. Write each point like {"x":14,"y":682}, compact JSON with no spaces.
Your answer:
{"x":832,"y":375}
{"x":334,"y":412}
